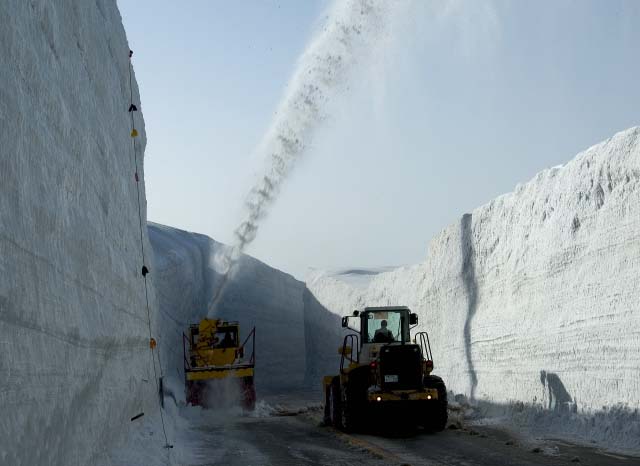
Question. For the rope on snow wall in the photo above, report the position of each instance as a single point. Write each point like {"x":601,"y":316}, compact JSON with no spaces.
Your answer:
{"x":145,"y":269}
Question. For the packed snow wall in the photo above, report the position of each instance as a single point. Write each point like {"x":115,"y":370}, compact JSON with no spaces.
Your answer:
{"x":73,"y":325}
{"x":293,"y":331}
{"x":531,"y":300}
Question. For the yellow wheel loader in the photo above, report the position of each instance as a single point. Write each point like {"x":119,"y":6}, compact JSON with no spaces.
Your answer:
{"x":212,"y":354}
{"x":385,"y":378}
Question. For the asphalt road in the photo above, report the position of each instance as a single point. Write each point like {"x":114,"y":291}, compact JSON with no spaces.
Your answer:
{"x":295,"y":436}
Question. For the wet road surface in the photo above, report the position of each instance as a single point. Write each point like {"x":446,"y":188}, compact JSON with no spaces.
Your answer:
{"x":295,"y":436}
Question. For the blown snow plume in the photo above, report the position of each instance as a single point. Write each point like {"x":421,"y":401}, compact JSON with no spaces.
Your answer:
{"x":352,"y":32}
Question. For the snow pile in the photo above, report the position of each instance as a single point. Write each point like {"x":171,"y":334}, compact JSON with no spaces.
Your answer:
{"x":531,"y":301}
{"x":74,"y":364}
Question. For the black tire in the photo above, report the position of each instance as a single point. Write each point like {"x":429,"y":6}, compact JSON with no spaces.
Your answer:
{"x":335,"y":404}
{"x":347,"y":413}
{"x":435,"y":419}
{"x":354,"y":399}
{"x":195,"y":393}
{"x":249,"y":393}
{"x":327,"y":408}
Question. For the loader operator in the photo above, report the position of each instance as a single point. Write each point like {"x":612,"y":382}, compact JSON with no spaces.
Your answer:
{"x":383,"y":334}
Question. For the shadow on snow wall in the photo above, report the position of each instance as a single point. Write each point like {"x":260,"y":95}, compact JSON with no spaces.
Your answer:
{"x":469,"y":279}
{"x":323,"y":337}
{"x":556,"y":414}
{"x":558,"y":396}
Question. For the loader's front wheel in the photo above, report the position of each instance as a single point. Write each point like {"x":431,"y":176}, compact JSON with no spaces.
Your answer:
{"x":347,"y":418}
{"x":436,"y":416}
{"x":327,"y":407}
{"x":335,"y":405}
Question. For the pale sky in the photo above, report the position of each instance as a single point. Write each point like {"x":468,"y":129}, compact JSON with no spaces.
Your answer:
{"x":468,"y":99}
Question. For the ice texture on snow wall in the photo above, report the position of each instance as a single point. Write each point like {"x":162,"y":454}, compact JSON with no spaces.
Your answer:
{"x":73,"y":333}
{"x":531,"y":300}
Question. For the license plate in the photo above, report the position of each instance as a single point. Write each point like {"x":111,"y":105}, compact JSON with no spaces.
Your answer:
{"x":390,"y":378}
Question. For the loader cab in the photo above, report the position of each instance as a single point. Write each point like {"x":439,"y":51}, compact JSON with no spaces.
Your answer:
{"x":368,"y":324}
{"x":375,"y":323}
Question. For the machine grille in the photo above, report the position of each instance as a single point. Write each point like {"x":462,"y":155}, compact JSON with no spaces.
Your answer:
{"x":401,"y":367}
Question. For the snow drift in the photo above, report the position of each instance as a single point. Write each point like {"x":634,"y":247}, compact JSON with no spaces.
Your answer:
{"x":531,"y":300}
{"x":73,"y":327}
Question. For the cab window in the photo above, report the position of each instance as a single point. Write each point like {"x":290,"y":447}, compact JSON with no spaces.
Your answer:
{"x":384,"y":327}
{"x":226,"y":338}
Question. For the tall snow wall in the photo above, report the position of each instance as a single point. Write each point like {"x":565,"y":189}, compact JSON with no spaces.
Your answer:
{"x":73,"y":325}
{"x":531,"y":300}
{"x":293,"y":331}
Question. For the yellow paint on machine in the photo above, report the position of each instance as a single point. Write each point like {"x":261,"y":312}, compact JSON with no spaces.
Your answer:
{"x":219,"y":374}
{"x":211,"y":348}
{"x":404,"y":395}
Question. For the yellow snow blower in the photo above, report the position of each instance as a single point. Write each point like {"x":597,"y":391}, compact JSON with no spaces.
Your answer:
{"x":212,"y":353}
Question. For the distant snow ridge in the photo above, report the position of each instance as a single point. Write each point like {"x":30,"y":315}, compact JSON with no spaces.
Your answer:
{"x":352,"y":30}
{"x":356,"y":277}
{"x":531,"y":301}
